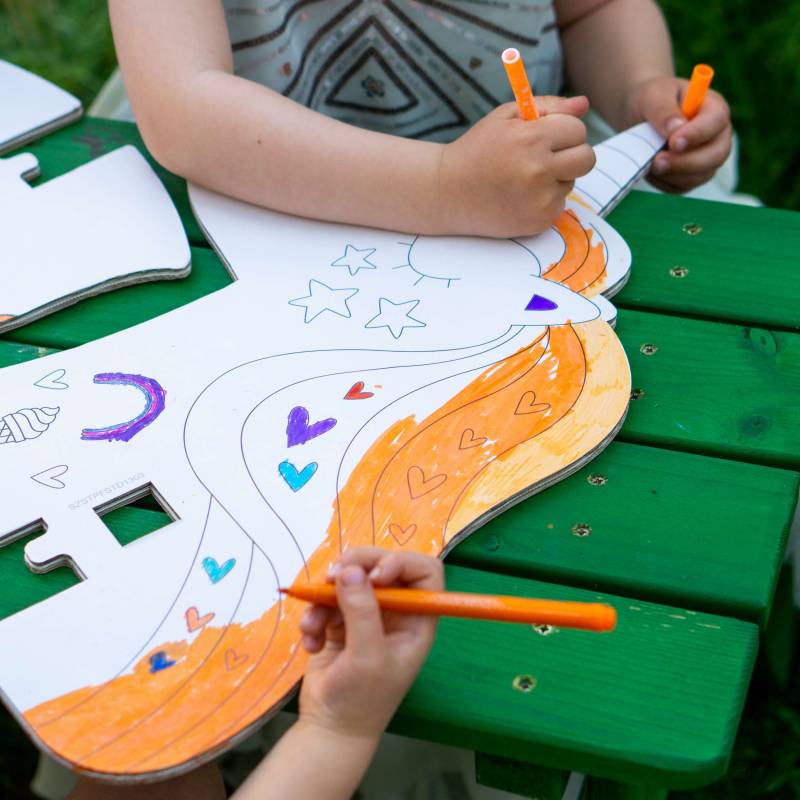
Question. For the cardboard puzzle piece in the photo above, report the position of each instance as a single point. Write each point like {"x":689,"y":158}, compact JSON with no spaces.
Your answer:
{"x":107,"y":224}
{"x":31,"y":107}
{"x":371,"y":388}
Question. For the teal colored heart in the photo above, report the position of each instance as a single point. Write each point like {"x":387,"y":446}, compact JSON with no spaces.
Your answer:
{"x":297,"y":479}
{"x":216,"y":571}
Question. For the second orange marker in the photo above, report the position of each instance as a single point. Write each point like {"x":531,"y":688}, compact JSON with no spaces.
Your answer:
{"x":562,"y":614}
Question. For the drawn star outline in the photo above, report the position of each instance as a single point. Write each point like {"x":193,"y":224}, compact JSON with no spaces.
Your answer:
{"x":321,"y":298}
{"x":395,"y":316}
{"x":355,"y":259}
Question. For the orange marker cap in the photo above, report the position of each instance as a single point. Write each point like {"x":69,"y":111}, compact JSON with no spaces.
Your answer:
{"x":702,"y":75}
{"x":520,"y":85}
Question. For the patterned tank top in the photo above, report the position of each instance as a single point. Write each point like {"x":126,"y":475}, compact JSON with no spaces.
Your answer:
{"x":418,"y":68}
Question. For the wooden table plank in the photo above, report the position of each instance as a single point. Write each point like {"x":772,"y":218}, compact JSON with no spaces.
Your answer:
{"x":669,"y":527}
{"x":741,"y":266}
{"x":658,"y":701}
{"x":724,"y":390}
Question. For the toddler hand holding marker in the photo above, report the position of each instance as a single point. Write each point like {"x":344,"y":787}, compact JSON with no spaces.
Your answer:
{"x":507,"y":176}
{"x":698,"y":130}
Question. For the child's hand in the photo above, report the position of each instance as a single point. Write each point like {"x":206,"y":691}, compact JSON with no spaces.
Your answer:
{"x":507,"y":177}
{"x":363,"y":662}
{"x":697,"y":148}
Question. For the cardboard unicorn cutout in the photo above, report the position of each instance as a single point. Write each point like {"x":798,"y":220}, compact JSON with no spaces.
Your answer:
{"x":370,"y":388}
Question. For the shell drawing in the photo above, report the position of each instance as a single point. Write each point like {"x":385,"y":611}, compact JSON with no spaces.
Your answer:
{"x":27,"y":423}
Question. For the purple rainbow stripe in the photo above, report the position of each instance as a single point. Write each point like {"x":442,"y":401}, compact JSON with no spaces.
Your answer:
{"x":125,"y":431}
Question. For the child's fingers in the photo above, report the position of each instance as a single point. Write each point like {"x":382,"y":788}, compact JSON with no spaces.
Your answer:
{"x":505,"y":111}
{"x":661,"y":108}
{"x":551,"y":104}
{"x":362,"y":615}
{"x":410,"y":569}
{"x":334,"y":633}
{"x":711,"y":120}
{"x":312,"y":644}
{"x":573,"y":162}
{"x":563,"y":130}
{"x":315,"y":619}
{"x":364,"y":557}
{"x":709,"y":156}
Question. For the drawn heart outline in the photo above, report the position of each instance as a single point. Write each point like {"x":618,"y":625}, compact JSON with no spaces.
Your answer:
{"x":300,"y":431}
{"x":159,"y":661}
{"x":527,"y":405}
{"x":356,"y":392}
{"x":53,"y":380}
{"x":216,"y":572}
{"x":419,"y":485}
{"x":297,"y":479}
{"x":402,"y":535}
{"x":233,"y":659}
{"x":469,"y":440}
{"x":194,"y":621}
{"x":50,"y":477}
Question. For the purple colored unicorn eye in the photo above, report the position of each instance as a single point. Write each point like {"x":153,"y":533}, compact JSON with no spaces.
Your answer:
{"x":539,"y":303}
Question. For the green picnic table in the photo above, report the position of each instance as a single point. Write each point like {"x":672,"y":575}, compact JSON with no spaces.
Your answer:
{"x":681,"y":523}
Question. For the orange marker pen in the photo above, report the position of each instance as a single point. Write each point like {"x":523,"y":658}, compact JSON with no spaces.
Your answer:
{"x":585,"y":616}
{"x":702,"y":76}
{"x":520,"y":85}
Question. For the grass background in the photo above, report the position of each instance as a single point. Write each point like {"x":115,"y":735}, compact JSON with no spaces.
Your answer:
{"x":755,"y":49}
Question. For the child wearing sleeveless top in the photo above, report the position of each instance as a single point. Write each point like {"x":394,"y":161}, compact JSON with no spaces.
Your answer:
{"x":390,"y":113}
{"x":393,"y":114}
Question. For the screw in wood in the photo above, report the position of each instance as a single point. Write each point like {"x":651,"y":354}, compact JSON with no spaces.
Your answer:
{"x":545,"y":630}
{"x":637,"y":394}
{"x":581,"y":529}
{"x":648,"y":349}
{"x":692,"y":228}
{"x":597,"y":480}
{"x":524,"y":683}
{"x":679,"y":272}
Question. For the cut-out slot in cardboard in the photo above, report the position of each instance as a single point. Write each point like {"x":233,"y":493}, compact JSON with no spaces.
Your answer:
{"x":136,"y":514}
{"x":30,"y":587}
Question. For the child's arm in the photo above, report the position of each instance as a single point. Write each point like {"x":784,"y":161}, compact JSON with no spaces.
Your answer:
{"x":361,"y":667}
{"x":619,"y":53}
{"x":502,"y":178}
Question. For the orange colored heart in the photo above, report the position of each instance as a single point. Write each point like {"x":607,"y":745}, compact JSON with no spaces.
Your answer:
{"x":194,"y":621}
{"x":419,"y":485}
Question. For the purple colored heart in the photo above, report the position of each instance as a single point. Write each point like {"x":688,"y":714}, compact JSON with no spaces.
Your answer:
{"x":298,"y":429}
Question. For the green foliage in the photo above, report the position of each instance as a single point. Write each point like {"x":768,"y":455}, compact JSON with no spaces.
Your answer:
{"x":68,"y":43}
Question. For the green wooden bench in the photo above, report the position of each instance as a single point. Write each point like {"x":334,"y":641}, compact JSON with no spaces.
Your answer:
{"x":681,"y":523}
